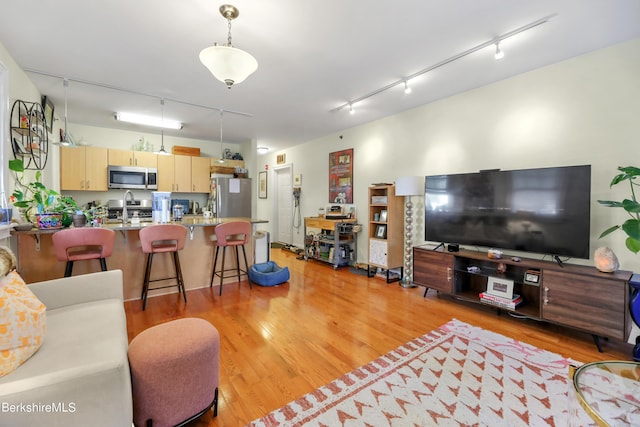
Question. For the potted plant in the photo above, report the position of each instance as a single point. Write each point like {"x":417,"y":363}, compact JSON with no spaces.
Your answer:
{"x":37,"y":203}
{"x":631,"y":226}
{"x":72,"y":213}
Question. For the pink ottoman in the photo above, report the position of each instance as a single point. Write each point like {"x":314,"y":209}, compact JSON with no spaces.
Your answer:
{"x":174,"y":372}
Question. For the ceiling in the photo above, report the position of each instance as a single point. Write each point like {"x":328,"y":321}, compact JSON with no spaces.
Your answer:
{"x":313,"y":56}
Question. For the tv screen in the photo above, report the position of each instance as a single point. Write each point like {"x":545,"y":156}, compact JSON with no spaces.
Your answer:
{"x":544,"y":210}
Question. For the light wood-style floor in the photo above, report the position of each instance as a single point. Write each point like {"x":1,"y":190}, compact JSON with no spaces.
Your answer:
{"x":282,"y":342}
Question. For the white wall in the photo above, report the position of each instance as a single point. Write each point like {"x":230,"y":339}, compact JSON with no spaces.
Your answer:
{"x":585,"y":110}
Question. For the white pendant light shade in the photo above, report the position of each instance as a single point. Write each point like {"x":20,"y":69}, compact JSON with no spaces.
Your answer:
{"x":228,"y":64}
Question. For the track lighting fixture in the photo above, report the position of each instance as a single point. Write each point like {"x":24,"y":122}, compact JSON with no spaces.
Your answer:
{"x":351,"y":110}
{"x":407,"y":88}
{"x":498,"y":54}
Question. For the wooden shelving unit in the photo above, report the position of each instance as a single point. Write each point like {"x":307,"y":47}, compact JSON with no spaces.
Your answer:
{"x":385,"y":229}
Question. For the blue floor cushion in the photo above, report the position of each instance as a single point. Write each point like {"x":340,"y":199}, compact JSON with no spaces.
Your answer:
{"x":268,"y":274}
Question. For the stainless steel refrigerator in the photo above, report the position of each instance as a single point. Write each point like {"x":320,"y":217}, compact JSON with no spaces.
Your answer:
{"x":230,"y":197}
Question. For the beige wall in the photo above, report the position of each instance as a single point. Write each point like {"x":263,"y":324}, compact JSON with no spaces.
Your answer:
{"x":581,"y":111}
{"x":585,"y":110}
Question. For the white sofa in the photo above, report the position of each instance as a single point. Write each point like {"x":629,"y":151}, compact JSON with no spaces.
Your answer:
{"x":80,"y":375}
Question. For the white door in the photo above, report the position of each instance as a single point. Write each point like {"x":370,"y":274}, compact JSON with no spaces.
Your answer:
{"x":284,"y":205}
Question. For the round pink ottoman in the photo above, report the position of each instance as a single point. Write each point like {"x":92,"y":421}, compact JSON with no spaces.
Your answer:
{"x":174,"y":372}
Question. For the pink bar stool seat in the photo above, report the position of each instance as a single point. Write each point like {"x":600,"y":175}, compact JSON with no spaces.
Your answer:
{"x":231,"y":234}
{"x":162,"y":238}
{"x":82,"y":244}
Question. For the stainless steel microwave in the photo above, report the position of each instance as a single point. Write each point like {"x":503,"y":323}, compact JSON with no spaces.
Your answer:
{"x":133,"y":177}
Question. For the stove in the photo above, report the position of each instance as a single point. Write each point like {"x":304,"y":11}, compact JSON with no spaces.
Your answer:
{"x":143,"y":207}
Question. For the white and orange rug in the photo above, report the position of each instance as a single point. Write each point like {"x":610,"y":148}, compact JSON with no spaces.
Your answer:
{"x":457,"y":375}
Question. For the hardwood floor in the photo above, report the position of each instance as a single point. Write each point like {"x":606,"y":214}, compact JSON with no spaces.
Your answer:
{"x":281,"y":342}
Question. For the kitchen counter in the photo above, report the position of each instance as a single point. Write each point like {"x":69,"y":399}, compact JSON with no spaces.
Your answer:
{"x":187,"y":221}
{"x":37,"y":260}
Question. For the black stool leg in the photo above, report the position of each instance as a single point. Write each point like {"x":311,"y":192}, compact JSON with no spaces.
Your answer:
{"x":145,"y":286}
{"x":176,"y":265}
{"x":68,"y":269}
{"x":246,"y":265}
{"x":238,"y":264}
{"x":213,"y":268}
{"x":224,"y":251}
{"x":103,"y":264}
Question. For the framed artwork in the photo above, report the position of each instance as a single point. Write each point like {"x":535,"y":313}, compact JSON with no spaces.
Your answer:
{"x":500,"y":287}
{"x":383,"y":216}
{"x":262,"y":185}
{"x":48,"y":108}
{"x":381,"y":232}
{"x":341,"y":176}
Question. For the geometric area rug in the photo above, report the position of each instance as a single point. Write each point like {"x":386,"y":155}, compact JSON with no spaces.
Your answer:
{"x":456,"y":375}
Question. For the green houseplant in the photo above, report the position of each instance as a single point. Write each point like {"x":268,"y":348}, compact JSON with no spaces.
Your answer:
{"x":631,"y":227}
{"x":32,"y":198}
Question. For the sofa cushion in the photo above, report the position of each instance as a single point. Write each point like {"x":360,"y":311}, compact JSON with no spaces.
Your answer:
{"x":83,"y":363}
{"x":22,"y":323}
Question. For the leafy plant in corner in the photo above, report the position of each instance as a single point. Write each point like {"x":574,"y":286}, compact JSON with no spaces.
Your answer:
{"x":631,"y":226}
{"x":32,"y":197}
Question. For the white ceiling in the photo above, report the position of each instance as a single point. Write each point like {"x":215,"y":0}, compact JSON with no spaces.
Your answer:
{"x":313,"y":56}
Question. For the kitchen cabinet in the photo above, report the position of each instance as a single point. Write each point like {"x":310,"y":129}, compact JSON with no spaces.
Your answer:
{"x":133,"y":158}
{"x":575,"y":296}
{"x":83,"y":168}
{"x":200,"y":174}
{"x":183,"y":174}
{"x":166,"y":171}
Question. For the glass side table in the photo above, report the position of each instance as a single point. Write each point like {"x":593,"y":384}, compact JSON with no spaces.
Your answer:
{"x":609,"y":391}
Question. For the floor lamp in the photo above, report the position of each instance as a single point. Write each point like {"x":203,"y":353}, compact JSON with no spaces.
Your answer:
{"x":409,"y":186}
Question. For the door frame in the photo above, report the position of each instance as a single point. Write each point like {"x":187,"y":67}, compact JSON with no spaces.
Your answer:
{"x":274,"y":206}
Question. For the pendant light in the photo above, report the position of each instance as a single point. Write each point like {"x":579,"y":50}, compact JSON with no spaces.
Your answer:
{"x":221,"y":159}
{"x":162,"y":150}
{"x":227,"y":63}
{"x":66,"y":140}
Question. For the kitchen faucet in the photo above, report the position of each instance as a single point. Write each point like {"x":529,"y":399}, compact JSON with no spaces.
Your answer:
{"x":124,"y":205}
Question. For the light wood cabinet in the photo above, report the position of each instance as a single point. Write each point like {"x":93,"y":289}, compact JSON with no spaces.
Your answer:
{"x":166,"y":172}
{"x":132,"y":158}
{"x":386,"y":239}
{"x":83,"y":168}
{"x":182,"y":173}
{"x":200,"y":174}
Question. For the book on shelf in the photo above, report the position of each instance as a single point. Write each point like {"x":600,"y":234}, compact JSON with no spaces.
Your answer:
{"x":510,"y":303}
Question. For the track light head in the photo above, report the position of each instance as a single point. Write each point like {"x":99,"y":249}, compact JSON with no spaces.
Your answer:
{"x":407,"y":88}
{"x":499,"y":53}
{"x":351,"y":110}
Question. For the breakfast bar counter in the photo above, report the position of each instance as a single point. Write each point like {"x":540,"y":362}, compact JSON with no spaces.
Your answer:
{"x":37,"y":260}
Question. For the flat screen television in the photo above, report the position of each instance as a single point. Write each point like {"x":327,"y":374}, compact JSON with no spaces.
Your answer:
{"x":544,"y":210}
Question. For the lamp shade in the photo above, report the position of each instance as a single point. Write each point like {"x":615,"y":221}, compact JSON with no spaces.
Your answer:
{"x":410,"y":185}
{"x":228,"y":64}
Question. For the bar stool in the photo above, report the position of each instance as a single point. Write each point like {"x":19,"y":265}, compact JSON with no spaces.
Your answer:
{"x":81,"y":244}
{"x":162,"y":238}
{"x":234,"y":234}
